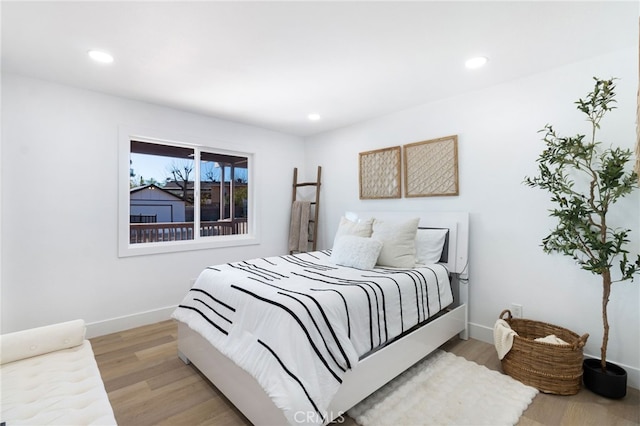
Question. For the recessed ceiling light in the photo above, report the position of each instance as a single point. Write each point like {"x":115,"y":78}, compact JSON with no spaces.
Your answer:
{"x":100,"y":56}
{"x":476,"y":62}
{"x":313,"y":117}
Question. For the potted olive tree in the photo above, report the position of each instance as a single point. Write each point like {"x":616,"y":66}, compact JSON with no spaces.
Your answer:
{"x":585,"y":178}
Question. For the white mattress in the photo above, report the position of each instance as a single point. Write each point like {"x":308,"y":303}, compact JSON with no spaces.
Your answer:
{"x":58,"y":388}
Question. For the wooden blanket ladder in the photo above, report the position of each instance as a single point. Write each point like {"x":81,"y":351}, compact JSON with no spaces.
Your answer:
{"x":315,"y":204}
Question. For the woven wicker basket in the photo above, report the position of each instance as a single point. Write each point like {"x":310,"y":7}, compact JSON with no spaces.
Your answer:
{"x":555,"y":369}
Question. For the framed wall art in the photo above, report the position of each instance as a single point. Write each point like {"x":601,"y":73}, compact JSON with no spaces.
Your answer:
{"x":431,"y":167}
{"x":380,"y":175}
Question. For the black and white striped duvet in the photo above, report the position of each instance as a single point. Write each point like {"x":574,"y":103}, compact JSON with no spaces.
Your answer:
{"x":298,"y":322}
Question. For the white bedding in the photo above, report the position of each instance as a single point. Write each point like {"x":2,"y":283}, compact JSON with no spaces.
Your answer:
{"x":298,"y":322}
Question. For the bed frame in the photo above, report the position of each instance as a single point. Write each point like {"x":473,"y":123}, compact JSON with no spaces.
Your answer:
{"x":373,"y":371}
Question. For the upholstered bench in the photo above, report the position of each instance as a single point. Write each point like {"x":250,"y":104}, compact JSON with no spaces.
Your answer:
{"x":49,"y":376}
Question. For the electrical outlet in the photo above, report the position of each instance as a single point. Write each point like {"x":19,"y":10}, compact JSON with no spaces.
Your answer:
{"x":516,"y":310}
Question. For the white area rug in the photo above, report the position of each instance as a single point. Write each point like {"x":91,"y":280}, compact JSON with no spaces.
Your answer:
{"x":445,"y":389}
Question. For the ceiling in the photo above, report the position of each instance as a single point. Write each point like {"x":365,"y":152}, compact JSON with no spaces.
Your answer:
{"x":270,"y":64}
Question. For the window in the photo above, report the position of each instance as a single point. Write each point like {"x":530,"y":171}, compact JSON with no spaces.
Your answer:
{"x":183,"y":196}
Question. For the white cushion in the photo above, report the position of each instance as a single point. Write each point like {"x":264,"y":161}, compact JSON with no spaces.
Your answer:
{"x":41,"y":340}
{"x":361,"y":228}
{"x":356,"y":252}
{"x":63,"y":387}
{"x":429,"y":245}
{"x":398,"y":242}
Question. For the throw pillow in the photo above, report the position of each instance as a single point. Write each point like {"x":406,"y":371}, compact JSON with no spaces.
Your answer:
{"x":356,"y":252}
{"x":398,"y":242}
{"x":361,"y":228}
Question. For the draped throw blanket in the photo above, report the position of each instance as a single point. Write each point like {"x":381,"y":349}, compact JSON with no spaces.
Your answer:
{"x":299,"y":228}
{"x":503,"y":336}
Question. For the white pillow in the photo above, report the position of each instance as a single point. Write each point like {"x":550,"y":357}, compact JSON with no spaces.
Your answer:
{"x":361,"y":228}
{"x":398,"y":242}
{"x":429,"y":244}
{"x":356,"y":252}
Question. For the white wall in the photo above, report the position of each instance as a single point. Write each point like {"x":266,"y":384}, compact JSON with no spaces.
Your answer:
{"x":498,"y":144}
{"x":59,"y":207}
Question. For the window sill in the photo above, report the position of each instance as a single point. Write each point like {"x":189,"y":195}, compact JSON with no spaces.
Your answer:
{"x":142,"y":249}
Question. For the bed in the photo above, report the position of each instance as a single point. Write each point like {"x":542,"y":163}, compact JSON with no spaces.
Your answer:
{"x":336,"y":352}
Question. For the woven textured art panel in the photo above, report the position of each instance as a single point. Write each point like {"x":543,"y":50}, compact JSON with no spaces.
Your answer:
{"x":431,"y":167}
{"x":380,"y":173}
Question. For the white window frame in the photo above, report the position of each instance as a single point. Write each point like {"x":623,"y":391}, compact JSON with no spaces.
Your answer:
{"x":125,"y":248}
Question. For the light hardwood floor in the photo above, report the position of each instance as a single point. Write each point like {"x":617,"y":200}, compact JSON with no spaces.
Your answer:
{"x":148,"y":385}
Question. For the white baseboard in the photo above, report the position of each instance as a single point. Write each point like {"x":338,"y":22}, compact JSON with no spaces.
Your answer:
{"x":114,"y":325}
{"x":480,"y":332}
{"x":485,"y":334}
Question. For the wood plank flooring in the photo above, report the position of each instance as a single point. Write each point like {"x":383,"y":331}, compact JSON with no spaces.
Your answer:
{"x":148,"y":385}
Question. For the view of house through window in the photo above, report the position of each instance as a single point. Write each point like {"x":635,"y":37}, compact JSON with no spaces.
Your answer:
{"x":182,"y":193}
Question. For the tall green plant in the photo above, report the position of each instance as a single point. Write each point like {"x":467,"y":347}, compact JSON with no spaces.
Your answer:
{"x":585,"y":180}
